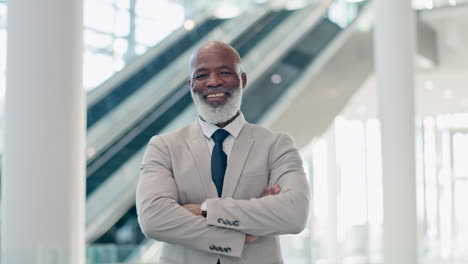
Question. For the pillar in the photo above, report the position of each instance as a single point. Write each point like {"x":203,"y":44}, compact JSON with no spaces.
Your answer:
{"x":394,"y":40}
{"x":43,"y":179}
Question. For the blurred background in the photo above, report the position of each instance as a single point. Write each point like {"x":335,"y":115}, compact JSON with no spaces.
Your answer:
{"x":310,"y":67}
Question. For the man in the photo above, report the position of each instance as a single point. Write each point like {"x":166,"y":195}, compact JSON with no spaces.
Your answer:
{"x":221,"y":190}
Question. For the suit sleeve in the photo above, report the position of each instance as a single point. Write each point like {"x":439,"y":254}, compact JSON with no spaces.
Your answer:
{"x":285,"y":213}
{"x":162,"y":218}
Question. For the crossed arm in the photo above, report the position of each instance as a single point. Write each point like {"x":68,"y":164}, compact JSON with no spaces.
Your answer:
{"x":270,"y":190}
{"x":282,"y":209}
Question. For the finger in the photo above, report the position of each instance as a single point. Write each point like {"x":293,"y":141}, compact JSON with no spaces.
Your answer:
{"x":276,"y":190}
{"x":267,"y":191}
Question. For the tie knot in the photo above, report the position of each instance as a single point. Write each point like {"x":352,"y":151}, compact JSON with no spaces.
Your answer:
{"x":220,"y":135}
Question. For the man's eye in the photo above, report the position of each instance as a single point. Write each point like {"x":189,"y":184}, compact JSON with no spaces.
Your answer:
{"x":226,"y":73}
{"x":200,"y":76}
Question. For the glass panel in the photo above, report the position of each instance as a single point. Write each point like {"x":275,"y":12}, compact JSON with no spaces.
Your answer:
{"x":3,"y":42}
{"x":156,"y":19}
{"x":123,"y":4}
{"x":429,"y":4}
{"x":431,"y":187}
{"x":120,"y":46}
{"x":160,"y":10}
{"x":149,"y":32}
{"x":98,"y":68}
{"x":351,"y":158}
{"x":460,"y":155}
{"x":93,"y":39}
{"x":3,"y":15}
{"x":99,"y":16}
{"x":461,"y":219}
{"x":122,"y":23}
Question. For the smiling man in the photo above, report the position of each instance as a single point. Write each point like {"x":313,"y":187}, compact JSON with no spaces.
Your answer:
{"x":221,"y":190}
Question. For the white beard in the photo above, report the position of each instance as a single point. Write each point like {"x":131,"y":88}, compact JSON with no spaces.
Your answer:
{"x":219,"y":114}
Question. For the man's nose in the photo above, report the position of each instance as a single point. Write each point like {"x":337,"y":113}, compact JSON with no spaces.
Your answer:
{"x":214,"y":80}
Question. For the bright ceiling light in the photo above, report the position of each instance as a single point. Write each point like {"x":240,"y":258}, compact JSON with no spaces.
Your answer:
{"x":276,"y":79}
{"x":189,"y":24}
{"x":448,"y":94}
{"x":429,"y":85}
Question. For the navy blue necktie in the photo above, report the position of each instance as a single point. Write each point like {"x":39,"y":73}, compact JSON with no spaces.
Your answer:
{"x":218,"y":159}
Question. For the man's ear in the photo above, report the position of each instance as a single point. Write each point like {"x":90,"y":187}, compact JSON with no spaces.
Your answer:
{"x":244,"y":80}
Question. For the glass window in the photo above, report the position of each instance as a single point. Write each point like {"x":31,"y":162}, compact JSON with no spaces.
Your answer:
{"x":3,"y":15}
{"x":122,"y":4}
{"x":120,"y":46}
{"x":3,"y":42}
{"x":149,"y":32}
{"x":99,"y":16}
{"x":93,"y":39}
{"x":460,"y":155}
{"x":98,"y":68}
{"x":122,"y":23}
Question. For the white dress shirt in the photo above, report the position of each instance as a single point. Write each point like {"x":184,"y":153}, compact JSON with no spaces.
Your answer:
{"x":234,"y":128}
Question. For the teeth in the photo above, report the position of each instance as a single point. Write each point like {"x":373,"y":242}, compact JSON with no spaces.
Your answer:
{"x":215,"y":95}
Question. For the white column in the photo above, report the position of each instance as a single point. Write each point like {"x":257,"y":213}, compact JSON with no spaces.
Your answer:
{"x":43,"y":184}
{"x":394,"y":41}
{"x":334,"y":255}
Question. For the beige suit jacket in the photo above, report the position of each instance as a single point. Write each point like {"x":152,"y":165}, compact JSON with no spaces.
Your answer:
{"x":176,"y":171}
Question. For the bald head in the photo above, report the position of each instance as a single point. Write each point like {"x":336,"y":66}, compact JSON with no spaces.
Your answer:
{"x":215,"y":47}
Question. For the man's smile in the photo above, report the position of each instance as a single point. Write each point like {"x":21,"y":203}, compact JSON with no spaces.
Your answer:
{"x":216,"y":97}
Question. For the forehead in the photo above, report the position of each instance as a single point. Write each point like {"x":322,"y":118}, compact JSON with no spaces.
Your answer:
{"x":213,"y":57}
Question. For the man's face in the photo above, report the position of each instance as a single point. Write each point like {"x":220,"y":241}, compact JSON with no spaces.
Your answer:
{"x":215,"y":76}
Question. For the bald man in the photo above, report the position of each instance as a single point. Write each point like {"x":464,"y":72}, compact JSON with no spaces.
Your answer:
{"x":221,"y":190}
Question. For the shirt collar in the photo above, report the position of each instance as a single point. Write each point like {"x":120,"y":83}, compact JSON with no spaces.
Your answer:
{"x":233,"y":128}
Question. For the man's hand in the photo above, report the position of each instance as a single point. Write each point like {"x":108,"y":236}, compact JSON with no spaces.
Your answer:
{"x":250,"y":238}
{"x":271,"y":190}
{"x":193,"y":208}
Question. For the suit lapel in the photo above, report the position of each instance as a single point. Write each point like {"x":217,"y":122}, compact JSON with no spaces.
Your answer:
{"x":201,"y":155}
{"x":236,"y":161}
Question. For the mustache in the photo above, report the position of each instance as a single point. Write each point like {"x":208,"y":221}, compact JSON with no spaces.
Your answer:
{"x":216,"y":90}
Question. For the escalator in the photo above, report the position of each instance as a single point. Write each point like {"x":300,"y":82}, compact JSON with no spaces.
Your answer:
{"x":325,"y":88}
